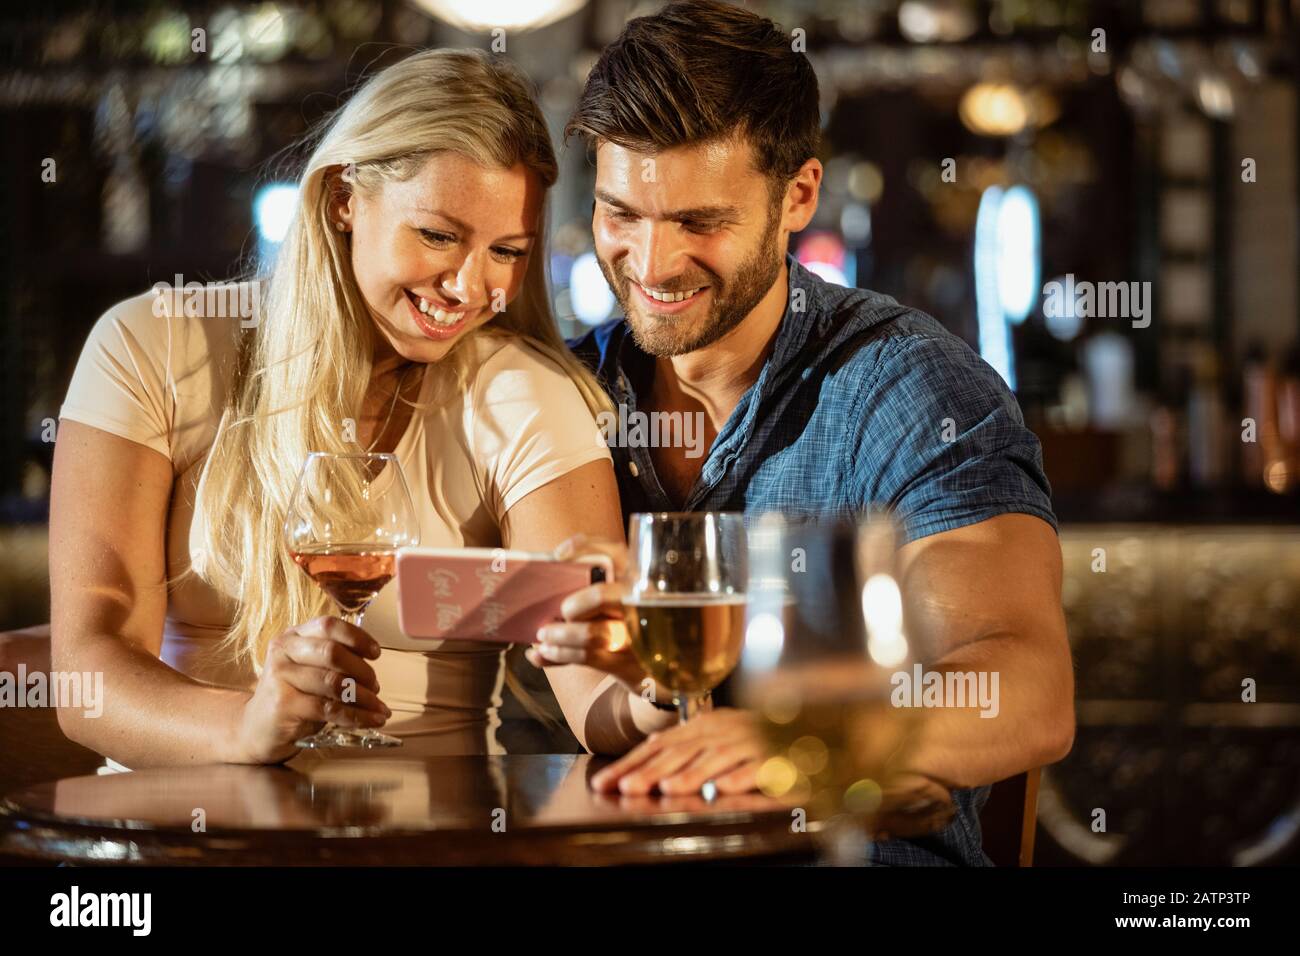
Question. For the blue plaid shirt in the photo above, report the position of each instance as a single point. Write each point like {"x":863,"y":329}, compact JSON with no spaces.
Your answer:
{"x":862,"y":403}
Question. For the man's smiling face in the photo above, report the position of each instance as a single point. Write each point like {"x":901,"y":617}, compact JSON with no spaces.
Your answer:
{"x":689,"y":240}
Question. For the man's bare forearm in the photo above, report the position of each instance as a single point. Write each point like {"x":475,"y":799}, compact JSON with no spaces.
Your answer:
{"x":1031,"y":720}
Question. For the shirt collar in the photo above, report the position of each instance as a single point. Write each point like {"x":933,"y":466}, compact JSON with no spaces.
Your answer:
{"x":802,"y":313}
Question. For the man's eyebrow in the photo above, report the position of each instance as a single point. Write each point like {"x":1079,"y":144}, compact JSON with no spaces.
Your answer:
{"x":677,"y":215}
{"x":610,"y":200}
{"x":466,"y":228}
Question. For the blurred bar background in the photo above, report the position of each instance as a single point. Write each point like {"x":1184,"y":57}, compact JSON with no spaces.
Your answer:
{"x":986,"y":161}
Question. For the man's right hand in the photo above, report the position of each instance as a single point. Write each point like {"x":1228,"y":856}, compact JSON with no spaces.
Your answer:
{"x":723,"y":745}
{"x":314,"y":673}
{"x":593,"y":632}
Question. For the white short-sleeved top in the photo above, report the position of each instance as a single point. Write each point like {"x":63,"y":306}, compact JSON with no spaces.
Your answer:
{"x":162,"y":380}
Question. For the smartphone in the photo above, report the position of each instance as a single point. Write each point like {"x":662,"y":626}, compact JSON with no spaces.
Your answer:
{"x":487,"y":594}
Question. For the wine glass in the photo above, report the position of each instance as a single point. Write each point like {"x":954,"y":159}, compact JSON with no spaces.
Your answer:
{"x":348,"y":516}
{"x":825,"y":639}
{"x":685,"y":607}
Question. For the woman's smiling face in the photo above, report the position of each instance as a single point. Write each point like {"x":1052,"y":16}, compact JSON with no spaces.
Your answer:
{"x":441,"y":253}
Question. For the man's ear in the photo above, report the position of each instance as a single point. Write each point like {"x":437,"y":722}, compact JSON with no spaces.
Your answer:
{"x":801,"y":196}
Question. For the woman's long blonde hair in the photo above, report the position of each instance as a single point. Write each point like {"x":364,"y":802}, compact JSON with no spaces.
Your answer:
{"x":305,"y":367}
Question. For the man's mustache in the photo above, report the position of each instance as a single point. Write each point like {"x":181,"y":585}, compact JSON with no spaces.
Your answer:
{"x":627,"y":280}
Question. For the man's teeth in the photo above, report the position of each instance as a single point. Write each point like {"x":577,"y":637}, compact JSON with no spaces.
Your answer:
{"x":668,"y":296}
{"x":440,"y":316}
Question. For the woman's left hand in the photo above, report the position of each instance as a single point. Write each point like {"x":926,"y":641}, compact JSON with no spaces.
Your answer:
{"x":593,"y":632}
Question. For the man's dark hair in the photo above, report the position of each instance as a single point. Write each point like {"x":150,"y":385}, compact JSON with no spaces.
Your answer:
{"x":698,"y":71}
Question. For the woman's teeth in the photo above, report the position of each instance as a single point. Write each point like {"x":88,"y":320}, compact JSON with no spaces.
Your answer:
{"x":439,"y":316}
{"x":668,"y":296}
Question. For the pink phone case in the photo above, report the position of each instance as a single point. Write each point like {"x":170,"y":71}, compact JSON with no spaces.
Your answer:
{"x":486,"y":594}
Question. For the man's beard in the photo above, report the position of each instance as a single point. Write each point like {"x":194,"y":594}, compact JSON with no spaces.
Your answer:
{"x":664,"y":336}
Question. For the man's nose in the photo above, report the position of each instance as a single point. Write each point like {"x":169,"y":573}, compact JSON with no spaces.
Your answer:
{"x":658,"y":254}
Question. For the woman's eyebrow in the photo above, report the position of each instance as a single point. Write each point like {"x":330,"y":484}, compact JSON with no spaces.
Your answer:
{"x":459,"y":224}
{"x":467,"y":229}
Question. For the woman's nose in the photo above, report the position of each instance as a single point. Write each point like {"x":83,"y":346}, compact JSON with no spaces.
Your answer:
{"x":467,"y":280}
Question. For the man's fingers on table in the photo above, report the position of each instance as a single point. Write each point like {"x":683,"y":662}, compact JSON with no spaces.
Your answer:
{"x":725,"y":738}
{"x":606,"y":779}
{"x":744,"y":779}
{"x":709,"y":764}
{"x":647,"y":776}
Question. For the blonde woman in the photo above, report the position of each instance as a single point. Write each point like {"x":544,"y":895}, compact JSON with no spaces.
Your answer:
{"x":406,"y":312}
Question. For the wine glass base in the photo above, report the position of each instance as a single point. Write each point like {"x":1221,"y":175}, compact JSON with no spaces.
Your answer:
{"x":332,"y":737}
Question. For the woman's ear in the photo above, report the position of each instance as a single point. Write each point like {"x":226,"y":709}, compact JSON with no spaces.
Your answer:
{"x":339,"y":182}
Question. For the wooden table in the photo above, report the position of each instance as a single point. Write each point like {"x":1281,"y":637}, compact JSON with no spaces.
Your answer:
{"x":389,"y":807}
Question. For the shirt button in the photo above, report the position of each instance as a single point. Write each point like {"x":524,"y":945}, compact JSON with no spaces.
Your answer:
{"x":631,"y":466}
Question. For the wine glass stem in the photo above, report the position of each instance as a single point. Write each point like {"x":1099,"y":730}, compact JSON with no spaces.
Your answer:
{"x":688,"y":706}
{"x":353,"y":618}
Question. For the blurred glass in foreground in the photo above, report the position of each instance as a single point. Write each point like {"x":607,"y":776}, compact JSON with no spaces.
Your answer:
{"x":824,"y":638}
